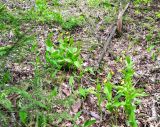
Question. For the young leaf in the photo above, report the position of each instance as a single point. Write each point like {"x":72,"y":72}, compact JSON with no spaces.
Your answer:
{"x":108,"y":90}
{"x":71,"y":81}
{"x":77,"y":116}
{"x":54,"y":92}
{"x":23,"y":116}
{"x":88,"y":123}
{"x":77,"y":64}
{"x":82,"y":92}
{"x":48,"y":41}
{"x":98,"y":87}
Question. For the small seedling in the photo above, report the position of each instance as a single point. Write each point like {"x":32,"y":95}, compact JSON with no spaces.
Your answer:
{"x":83,"y":92}
{"x":150,"y":50}
{"x":89,"y":123}
{"x":98,"y":94}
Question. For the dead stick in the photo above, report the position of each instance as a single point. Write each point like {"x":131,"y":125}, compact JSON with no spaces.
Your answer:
{"x":107,"y":43}
{"x":121,"y":13}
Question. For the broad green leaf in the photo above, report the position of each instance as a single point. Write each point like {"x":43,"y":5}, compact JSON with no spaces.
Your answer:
{"x":73,"y":50}
{"x":23,"y":116}
{"x":82,"y":91}
{"x":98,"y":87}
{"x":128,"y":61}
{"x":54,"y":92}
{"x":108,"y":90}
{"x":89,"y":69}
{"x":109,"y":76}
{"x":49,"y":42}
{"x":88,"y":123}
{"x":2,"y":53}
{"x":118,"y":104}
{"x":77,"y":115}
{"x":77,"y":64}
{"x":68,"y":60}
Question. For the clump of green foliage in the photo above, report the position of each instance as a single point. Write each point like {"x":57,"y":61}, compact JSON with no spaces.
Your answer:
{"x":64,"y":55}
{"x":142,"y":1}
{"x":10,"y":24}
{"x":31,"y":105}
{"x":56,"y":2}
{"x":93,"y":3}
{"x":127,"y":91}
{"x":7,"y":22}
{"x":42,"y":13}
{"x":124,"y":95}
{"x":21,"y":106}
{"x":99,"y":3}
{"x":73,"y":22}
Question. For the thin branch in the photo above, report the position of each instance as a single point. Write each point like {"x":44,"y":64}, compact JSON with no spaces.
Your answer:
{"x":112,"y":32}
{"x":107,"y":43}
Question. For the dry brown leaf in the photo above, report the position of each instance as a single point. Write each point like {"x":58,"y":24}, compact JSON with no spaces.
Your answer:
{"x":66,"y":91}
{"x":95,"y":115}
{"x":76,"y":106}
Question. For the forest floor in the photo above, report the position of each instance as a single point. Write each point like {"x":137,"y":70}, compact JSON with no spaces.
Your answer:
{"x":140,"y":39}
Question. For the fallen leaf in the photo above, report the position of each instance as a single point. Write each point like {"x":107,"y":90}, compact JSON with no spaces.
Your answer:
{"x":66,"y":91}
{"x":76,"y":106}
{"x":95,"y":115}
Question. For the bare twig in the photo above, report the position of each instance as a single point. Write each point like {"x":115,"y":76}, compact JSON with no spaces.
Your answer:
{"x":107,"y":43}
{"x":112,"y":32}
{"x":121,"y":13}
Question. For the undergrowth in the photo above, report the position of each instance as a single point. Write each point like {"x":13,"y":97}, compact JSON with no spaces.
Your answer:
{"x":38,"y":101}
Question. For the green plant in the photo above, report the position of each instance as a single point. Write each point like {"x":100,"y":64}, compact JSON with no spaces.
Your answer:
{"x":65,"y":55}
{"x":108,"y":19}
{"x":142,"y":1}
{"x":157,"y":15}
{"x":150,"y":50}
{"x":93,"y":3}
{"x":129,"y":92}
{"x":98,"y":94}
{"x":149,"y":36}
{"x":77,"y":115}
{"x":4,"y":49}
{"x":42,"y":13}
{"x":83,"y":92}
{"x":6,"y":104}
{"x":56,"y":2}
{"x":71,"y":82}
{"x":23,"y":106}
{"x":89,"y":123}
{"x":125,"y":94}
{"x":113,"y":102}
{"x":73,"y":22}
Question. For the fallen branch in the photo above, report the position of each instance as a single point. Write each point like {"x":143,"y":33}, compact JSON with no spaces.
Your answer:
{"x":107,"y":43}
{"x":112,"y":32}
